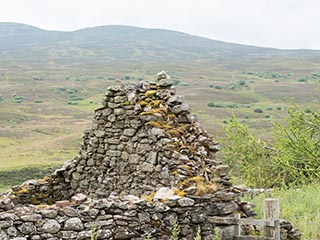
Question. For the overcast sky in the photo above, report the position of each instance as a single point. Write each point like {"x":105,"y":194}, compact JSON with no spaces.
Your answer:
{"x":271,"y":23}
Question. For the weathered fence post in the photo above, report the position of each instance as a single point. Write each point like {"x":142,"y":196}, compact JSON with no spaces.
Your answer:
{"x":237,"y":227}
{"x":272,"y":213}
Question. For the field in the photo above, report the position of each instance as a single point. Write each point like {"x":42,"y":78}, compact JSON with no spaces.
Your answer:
{"x":45,"y":106}
{"x":44,"y":109}
{"x":300,"y":206}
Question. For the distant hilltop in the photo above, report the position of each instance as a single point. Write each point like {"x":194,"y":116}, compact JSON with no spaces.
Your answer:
{"x":116,"y":42}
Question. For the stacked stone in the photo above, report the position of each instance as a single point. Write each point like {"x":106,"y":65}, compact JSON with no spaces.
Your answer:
{"x":145,"y":164}
{"x":128,"y":218}
{"x":144,"y":138}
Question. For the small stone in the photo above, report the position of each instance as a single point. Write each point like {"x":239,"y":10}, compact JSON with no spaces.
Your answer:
{"x":120,"y":99}
{"x":152,"y":157}
{"x":113,"y":153}
{"x":129,"y":132}
{"x":62,"y":204}
{"x":51,"y":226}
{"x":164,"y":83}
{"x":70,"y":212}
{"x":27,"y":228}
{"x":123,"y":233}
{"x":12,"y":231}
{"x":164,"y":193}
{"x":31,"y":217}
{"x":146,"y":167}
{"x":100,"y":134}
{"x":180,"y":108}
{"x":79,"y":198}
{"x":48,"y":213}
{"x":74,"y":224}
{"x":162,"y":75}
{"x":186,"y":202}
{"x":3,"y":235}
{"x":104,"y":234}
{"x":6,"y":224}
{"x":119,"y":111}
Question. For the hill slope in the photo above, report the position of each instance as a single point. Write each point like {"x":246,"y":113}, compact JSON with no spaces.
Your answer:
{"x":121,"y":42}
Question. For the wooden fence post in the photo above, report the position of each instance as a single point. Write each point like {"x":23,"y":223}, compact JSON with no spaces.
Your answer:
{"x":237,"y":227}
{"x":272,"y":212}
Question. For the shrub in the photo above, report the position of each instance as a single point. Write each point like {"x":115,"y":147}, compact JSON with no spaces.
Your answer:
{"x":242,"y":82}
{"x":248,"y":158}
{"x":298,"y":144}
{"x":258,"y":110}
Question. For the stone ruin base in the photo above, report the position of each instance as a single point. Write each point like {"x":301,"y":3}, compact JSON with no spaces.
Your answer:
{"x":130,"y":217}
{"x":115,"y":218}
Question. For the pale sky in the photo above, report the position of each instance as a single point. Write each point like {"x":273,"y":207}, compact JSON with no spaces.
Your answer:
{"x":271,"y":23}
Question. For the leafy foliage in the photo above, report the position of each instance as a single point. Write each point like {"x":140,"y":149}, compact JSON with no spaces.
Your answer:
{"x":298,"y":145}
{"x":293,"y":160}
{"x":248,"y":158}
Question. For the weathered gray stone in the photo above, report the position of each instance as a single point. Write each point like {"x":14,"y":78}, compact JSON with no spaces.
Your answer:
{"x":27,"y":228}
{"x":31,"y":217}
{"x":51,"y":226}
{"x":70,"y":211}
{"x":134,"y":158}
{"x":74,"y":224}
{"x":120,"y":99}
{"x":6,"y":223}
{"x":146,"y":167}
{"x":12,"y":231}
{"x":152,"y":157}
{"x":113,"y":153}
{"x":177,"y":109}
{"x":186,"y":202}
{"x":100,"y":133}
{"x":129,"y":132}
{"x":3,"y":235}
{"x":48,"y":213}
{"x":119,"y":111}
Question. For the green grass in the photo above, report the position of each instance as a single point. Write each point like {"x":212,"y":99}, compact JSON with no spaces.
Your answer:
{"x":300,"y":206}
{"x":17,"y":176}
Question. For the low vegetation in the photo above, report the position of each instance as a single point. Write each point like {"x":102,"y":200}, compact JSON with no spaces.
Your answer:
{"x":300,"y":205}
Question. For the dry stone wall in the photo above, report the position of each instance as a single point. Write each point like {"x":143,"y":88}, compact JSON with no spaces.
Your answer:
{"x":144,"y":167}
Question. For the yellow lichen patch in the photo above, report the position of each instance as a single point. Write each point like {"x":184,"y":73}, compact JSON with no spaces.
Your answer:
{"x":150,"y":93}
{"x":206,"y":187}
{"x":143,"y":103}
{"x":155,"y":103}
{"x":195,"y":179}
{"x":186,"y":167}
{"x":149,"y":197}
{"x":189,"y":181}
{"x":126,"y":103}
{"x":175,"y":172}
{"x":155,"y":111}
{"x":44,"y":180}
{"x":177,"y":132}
{"x":21,"y":191}
{"x":180,"y":193}
{"x":171,"y":117}
{"x":159,"y":124}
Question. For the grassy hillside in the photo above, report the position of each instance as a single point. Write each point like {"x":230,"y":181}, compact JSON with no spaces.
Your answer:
{"x":52,"y":81}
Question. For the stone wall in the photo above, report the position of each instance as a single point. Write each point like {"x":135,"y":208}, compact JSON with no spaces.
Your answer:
{"x":144,"y":165}
{"x":127,"y":218}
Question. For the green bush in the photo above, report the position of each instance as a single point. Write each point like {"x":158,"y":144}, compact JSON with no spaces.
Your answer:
{"x":298,"y":146}
{"x":248,"y":158}
{"x":294,"y":158}
{"x":258,"y":110}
